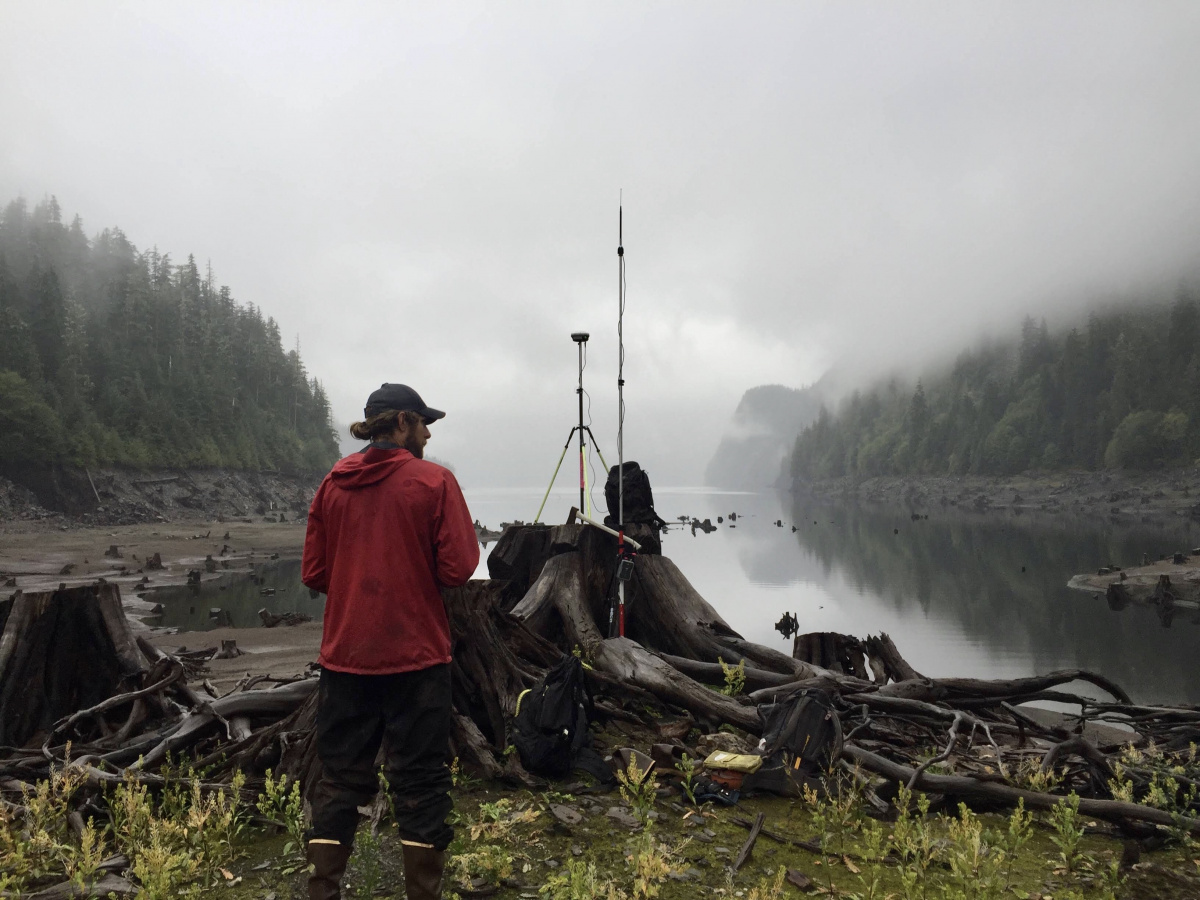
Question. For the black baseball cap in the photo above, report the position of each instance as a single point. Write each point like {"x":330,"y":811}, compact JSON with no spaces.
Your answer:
{"x":400,"y":397}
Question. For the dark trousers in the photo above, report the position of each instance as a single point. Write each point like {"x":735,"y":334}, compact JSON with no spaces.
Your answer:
{"x":409,"y":714}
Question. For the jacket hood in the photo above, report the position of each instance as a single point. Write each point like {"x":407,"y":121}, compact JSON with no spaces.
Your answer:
{"x":360,"y":470}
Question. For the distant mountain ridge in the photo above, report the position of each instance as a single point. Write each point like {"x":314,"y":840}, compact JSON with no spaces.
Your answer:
{"x":765,"y":424}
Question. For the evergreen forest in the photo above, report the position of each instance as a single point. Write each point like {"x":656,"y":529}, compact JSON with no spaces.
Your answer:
{"x":1119,"y":391}
{"x":111,"y":356}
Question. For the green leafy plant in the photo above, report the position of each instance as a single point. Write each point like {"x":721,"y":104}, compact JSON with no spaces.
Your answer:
{"x":873,"y":849}
{"x":579,"y":880}
{"x":687,"y":768}
{"x":497,"y":819}
{"x":1111,"y":880}
{"x":460,"y":778}
{"x":975,"y":859}
{"x":651,"y":861}
{"x":914,"y":844}
{"x":367,"y":863}
{"x":735,"y":677}
{"x":1031,"y":776}
{"x":84,"y":864}
{"x":14,"y":860}
{"x":488,"y":861}
{"x":819,"y":815}
{"x":281,"y":805}
{"x":162,"y":866}
{"x":638,"y":789}
{"x":1068,"y":831}
{"x":1013,"y":840}
{"x":193,"y":843}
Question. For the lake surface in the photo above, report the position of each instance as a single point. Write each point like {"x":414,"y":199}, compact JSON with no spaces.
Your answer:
{"x":961,"y":593}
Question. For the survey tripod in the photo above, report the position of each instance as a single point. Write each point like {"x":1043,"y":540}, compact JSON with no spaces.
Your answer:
{"x":584,"y":432}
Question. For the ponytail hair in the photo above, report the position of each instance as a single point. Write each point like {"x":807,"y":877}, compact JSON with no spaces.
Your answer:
{"x":383,"y":424}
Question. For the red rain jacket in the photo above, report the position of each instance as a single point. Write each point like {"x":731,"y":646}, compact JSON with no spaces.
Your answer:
{"x":386,"y":531}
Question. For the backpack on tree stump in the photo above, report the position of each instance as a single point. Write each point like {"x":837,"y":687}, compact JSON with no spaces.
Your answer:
{"x":550,"y":728}
{"x":639,"y":499}
{"x":802,"y":739}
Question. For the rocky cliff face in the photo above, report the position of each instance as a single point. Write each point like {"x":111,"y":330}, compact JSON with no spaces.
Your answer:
{"x":765,"y":424}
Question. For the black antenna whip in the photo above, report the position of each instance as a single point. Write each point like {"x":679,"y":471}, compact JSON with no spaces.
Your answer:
{"x":620,"y":366}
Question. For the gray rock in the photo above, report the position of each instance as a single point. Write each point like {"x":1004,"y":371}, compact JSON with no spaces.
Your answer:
{"x":623,"y":817}
{"x":566,"y":814}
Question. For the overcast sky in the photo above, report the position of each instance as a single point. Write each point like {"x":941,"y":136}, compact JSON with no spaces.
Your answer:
{"x":428,"y":192}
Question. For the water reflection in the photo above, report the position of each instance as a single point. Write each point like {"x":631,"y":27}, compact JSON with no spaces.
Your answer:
{"x":962,"y":593}
{"x":1001,"y":581}
{"x":275,"y":587}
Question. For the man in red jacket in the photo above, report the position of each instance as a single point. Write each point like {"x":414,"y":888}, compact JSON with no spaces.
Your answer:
{"x":386,"y":531}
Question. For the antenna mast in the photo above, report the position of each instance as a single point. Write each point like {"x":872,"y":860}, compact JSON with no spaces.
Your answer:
{"x":620,"y":367}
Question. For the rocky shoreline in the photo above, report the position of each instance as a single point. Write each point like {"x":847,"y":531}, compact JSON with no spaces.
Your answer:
{"x":113,"y":497}
{"x":1154,"y":496}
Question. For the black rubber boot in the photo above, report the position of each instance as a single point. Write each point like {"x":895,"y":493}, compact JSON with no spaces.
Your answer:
{"x":423,"y":872}
{"x":328,"y":860}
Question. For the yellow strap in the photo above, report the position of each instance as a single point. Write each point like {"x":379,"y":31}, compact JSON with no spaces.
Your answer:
{"x":416,"y":844}
{"x":520,"y":697}
{"x":325,"y":841}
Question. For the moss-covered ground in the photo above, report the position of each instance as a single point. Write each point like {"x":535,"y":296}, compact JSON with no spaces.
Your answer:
{"x":525,"y":858}
{"x":575,"y":842}
{"x":571,"y":842}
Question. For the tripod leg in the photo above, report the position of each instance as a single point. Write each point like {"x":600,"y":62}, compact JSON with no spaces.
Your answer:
{"x":597,"y":446}
{"x":587,"y":493}
{"x":561,"y":457}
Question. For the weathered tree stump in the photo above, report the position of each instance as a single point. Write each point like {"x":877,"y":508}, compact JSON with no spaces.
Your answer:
{"x":62,"y":651}
{"x":839,"y":653}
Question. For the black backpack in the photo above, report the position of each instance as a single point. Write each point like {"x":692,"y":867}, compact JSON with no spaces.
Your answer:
{"x":551,"y":723}
{"x":803,"y":739}
{"x":639,"y":499}
{"x":804,"y":732}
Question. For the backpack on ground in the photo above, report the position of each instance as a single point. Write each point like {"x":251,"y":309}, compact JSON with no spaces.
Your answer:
{"x":550,"y":728}
{"x":802,"y":739}
{"x":639,"y":499}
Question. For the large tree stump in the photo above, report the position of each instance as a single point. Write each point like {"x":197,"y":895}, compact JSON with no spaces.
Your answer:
{"x":496,"y":657}
{"x":62,"y":651}
{"x":560,"y":596}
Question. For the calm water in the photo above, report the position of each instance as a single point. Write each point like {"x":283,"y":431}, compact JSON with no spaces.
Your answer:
{"x":960,"y":594}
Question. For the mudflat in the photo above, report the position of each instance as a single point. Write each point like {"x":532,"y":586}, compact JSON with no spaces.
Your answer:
{"x":35,"y":556}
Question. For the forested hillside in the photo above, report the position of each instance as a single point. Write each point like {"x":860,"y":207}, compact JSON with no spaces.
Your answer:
{"x":1121,"y":391}
{"x":114,"y":356}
